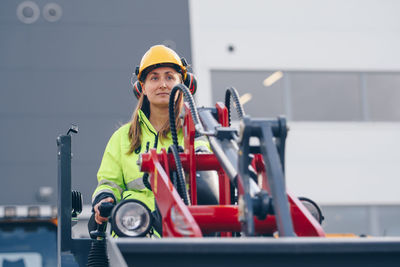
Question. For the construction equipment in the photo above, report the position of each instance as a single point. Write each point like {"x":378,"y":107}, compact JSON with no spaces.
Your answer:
{"x":28,"y":234}
{"x":232,"y":157}
{"x":258,"y":221}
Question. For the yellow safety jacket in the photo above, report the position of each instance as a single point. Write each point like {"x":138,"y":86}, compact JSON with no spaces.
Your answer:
{"x":119,"y":173}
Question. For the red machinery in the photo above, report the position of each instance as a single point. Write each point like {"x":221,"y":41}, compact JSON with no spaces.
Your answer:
{"x":261,"y":206}
{"x":265,"y":212}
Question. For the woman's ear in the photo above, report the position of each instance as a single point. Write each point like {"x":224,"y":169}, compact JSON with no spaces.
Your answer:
{"x":143,"y":88}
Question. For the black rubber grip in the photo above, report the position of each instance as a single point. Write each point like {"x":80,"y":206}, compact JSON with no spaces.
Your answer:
{"x":105,"y":209}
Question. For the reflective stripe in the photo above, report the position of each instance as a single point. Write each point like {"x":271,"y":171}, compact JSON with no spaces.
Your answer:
{"x":202,"y":149}
{"x":136,"y":184}
{"x":201,"y":144}
{"x":106,"y":190}
{"x":111,"y":184}
{"x":201,"y":138}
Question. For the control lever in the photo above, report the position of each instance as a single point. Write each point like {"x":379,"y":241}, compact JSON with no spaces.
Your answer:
{"x":105,"y":209}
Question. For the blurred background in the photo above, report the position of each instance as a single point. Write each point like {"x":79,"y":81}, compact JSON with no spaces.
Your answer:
{"x":331,"y":67}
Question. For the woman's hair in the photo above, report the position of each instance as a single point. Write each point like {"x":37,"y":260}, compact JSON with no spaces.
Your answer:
{"x":135,"y":132}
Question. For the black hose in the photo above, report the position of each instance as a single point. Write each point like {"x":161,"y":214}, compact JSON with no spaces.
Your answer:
{"x":193,"y":110}
{"x":181,"y":176}
{"x":174,"y":148}
{"x":172,"y":119}
{"x":232,"y":92}
{"x":146,"y":181}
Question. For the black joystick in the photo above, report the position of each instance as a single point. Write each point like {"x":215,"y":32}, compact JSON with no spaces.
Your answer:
{"x":105,"y":209}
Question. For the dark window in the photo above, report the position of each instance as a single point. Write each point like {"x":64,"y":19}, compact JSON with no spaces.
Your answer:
{"x":325,"y":96}
{"x":383,"y":94}
{"x":264,"y":102}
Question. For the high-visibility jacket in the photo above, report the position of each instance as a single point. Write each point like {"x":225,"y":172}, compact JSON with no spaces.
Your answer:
{"x":119,"y":173}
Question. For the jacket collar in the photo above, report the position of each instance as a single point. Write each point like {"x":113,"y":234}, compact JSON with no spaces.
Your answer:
{"x":143,"y":119}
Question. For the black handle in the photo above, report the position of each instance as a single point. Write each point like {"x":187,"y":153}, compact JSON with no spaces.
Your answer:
{"x":105,"y":209}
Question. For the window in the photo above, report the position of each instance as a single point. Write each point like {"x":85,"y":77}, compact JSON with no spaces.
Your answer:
{"x":313,"y":95}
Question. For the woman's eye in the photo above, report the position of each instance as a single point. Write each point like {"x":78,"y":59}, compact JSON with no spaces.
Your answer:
{"x":154,"y":78}
{"x":170,"y":77}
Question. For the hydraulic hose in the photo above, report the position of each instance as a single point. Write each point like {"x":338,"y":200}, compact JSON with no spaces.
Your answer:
{"x":181,"y":176}
{"x":146,"y":181}
{"x":147,"y":184}
{"x":232,"y":92}
{"x":193,"y":111}
{"x":181,"y":185}
{"x":189,"y":99}
{"x":172,"y":116}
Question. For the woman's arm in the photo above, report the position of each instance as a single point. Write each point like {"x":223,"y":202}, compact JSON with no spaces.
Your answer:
{"x":110,"y":175}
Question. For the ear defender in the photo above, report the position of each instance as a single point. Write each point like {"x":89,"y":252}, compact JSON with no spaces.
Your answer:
{"x":136,"y":86}
{"x":137,"y":89}
{"x":190,"y":82}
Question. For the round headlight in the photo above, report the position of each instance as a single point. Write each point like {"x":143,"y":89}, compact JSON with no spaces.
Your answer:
{"x":131,"y":218}
{"x":313,"y":208}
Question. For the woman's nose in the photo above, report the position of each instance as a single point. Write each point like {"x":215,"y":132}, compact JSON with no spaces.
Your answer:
{"x":163,"y":83}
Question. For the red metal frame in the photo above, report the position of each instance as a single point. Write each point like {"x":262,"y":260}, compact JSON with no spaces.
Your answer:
{"x":189,"y":133}
{"x":224,"y":183}
{"x":192,"y":221}
{"x":177,"y":219}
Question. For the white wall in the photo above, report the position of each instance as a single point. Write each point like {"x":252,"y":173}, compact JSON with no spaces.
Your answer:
{"x":344,"y":163}
{"x":353,"y":35}
{"x":332,"y":163}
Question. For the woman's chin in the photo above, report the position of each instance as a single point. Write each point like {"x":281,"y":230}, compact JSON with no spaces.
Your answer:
{"x":161,"y":104}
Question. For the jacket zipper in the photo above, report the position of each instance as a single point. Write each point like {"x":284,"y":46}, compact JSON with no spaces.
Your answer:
{"x":155,"y":136}
{"x":156,"y":141}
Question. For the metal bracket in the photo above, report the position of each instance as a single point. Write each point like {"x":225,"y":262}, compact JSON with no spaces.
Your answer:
{"x":265,"y":130}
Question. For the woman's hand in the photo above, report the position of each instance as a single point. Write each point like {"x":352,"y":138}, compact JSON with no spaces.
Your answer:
{"x":97,"y":217}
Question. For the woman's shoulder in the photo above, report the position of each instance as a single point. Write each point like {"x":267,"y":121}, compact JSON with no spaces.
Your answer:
{"x":120,"y":138}
{"x":121,"y":132}
{"x":124,"y":128}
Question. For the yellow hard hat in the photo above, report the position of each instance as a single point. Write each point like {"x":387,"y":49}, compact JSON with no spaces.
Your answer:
{"x":160,"y":55}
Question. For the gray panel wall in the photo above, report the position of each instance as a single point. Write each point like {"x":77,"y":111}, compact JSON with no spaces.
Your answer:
{"x":315,"y":95}
{"x":265,"y":102}
{"x":325,"y":96}
{"x":374,"y":220}
{"x":74,"y":70}
{"x":383,"y":93}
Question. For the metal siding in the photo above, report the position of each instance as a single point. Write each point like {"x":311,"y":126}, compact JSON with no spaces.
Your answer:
{"x":75,"y":70}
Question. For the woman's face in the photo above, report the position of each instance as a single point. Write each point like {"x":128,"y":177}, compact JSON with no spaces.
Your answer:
{"x":159,"y":83}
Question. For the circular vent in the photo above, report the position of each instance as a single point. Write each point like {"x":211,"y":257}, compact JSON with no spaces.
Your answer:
{"x":28,"y":12}
{"x":52,"y":12}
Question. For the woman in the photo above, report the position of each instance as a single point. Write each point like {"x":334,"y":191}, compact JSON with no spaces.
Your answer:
{"x":119,"y":176}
